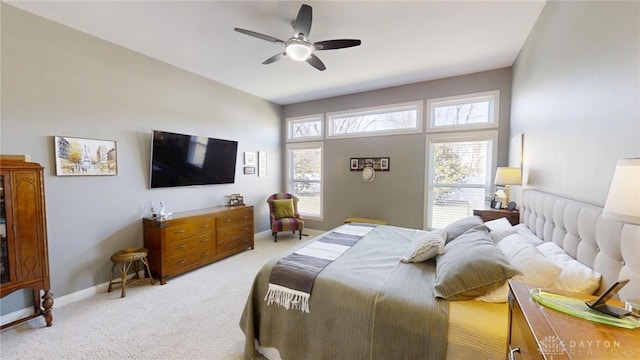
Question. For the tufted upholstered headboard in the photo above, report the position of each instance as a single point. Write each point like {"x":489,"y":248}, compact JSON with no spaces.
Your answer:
{"x":609,"y":247}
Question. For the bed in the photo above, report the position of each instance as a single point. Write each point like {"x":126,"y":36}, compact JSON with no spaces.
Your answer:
{"x":368,"y":304}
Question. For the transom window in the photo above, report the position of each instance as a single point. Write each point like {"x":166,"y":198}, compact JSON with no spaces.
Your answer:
{"x":470,"y":111}
{"x":305,"y":128}
{"x":382,"y":120}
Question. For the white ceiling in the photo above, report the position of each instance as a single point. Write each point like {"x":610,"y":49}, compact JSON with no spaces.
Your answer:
{"x":402,"y":41}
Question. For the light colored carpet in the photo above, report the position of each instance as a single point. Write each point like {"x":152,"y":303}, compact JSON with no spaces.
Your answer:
{"x":193,"y":316}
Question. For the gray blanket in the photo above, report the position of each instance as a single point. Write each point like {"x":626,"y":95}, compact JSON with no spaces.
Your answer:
{"x":366,"y":305}
{"x":292,"y":277}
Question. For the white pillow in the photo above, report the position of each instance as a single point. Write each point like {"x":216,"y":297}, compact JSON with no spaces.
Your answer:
{"x":426,"y":246}
{"x":536,"y":269}
{"x":497,"y":236}
{"x":500,"y":224}
{"x":528,"y":235}
{"x":575,"y":276}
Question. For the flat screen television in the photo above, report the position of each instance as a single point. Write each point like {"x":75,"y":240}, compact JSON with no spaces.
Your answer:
{"x":183,"y":160}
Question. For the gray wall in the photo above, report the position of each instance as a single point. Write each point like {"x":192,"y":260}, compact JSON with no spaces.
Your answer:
{"x":396,"y":196}
{"x":576,"y":96}
{"x":58,"y":81}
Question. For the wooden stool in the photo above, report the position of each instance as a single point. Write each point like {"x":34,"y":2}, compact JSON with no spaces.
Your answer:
{"x":364,"y":220}
{"x":125,"y":258}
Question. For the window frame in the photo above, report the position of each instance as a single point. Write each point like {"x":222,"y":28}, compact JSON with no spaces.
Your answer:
{"x":289,"y":179}
{"x":493,"y":96}
{"x":301,"y":119}
{"x":436,"y":138}
{"x":417,"y":105}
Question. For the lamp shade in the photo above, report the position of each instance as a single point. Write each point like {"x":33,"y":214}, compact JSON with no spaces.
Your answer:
{"x":508,"y":176}
{"x":298,"y":50}
{"x":623,"y":201}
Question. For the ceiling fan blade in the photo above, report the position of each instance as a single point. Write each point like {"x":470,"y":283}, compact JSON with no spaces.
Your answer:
{"x":316,"y":63}
{"x":274,"y":58}
{"x":303,"y":21}
{"x":336,"y":44}
{"x":259,"y":36}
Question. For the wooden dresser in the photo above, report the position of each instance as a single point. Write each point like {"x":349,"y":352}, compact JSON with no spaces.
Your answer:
{"x":538,"y":332}
{"x":192,"y":239}
{"x":24,"y":255}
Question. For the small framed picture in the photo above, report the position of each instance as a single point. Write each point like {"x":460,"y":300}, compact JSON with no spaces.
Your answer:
{"x":249,"y":170}
{"x":250,"y":158}
{"x":384,"y":164}
{"x":497,"y":205}
{"x":262,"y":163}
{"x":354,"y":164}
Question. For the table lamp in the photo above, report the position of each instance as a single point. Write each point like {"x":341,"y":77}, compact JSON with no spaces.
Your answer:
{"x":623,"y":205}
{"x":508,"y":176}
{"x":623,"y":201}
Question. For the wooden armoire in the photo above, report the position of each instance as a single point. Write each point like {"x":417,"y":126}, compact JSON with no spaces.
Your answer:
{"x":24,"y":254}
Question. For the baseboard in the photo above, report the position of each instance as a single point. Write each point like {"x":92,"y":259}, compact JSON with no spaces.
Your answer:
{"x":57,"y":302}
{"x":266,"y":232}
{"x":73,"y":297}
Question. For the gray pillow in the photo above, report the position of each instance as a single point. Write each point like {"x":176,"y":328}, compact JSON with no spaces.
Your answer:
{"x":459,"y":227}
{"x":472,"y":266}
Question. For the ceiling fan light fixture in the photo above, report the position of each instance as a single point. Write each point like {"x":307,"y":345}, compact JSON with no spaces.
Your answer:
{"x":298,"y":50}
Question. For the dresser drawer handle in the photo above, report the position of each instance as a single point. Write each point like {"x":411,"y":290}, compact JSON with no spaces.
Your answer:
{"x":204,"y":225}
{"x":512,"y":353}
{"x":244,"y":241}
{"x":180,"y":246}
{"x":204,"y":240}
{"x":180,"y":262}
{"x":245,"y":229}
{"x":204,"y":254}
{"x":181,"y":231}
{"x":227,"y":220}
{"x":228,"y":246}
{"x":227,"y":234}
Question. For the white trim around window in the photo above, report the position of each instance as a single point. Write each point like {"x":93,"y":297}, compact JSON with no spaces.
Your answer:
{"x":492,"y":158}
{"x":489,"y":102}
{"x":296,"y":131}
{"x":308,"y":189}
{"x":376,"y":128}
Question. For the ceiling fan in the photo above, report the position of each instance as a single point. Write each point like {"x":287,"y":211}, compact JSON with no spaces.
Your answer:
{"x":298,"y":47}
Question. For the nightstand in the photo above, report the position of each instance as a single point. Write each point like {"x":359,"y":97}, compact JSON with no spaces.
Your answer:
{"x":491,"y":214}
{"x":538,"y":332}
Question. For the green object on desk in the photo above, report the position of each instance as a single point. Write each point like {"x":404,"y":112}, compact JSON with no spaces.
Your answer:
{"x":578,"y":308}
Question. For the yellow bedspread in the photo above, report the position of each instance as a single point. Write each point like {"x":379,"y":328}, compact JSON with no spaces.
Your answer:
{"x":477,"y":330}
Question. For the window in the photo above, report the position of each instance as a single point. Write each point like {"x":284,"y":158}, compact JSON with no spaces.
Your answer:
{"x":197,"y":150}
{"x":304,"y":177}
{"x":305,"y":128}
{"x":459,"y":175}
{"x":471,"y":111}
{"x":383,"y":120}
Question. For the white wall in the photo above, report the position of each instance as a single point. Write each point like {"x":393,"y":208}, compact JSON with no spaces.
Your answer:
{"x":576,"y":96}
{"x":58,"y":81}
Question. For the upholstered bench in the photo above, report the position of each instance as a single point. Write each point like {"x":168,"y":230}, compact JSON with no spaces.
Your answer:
{"x":126,"y":258}
{"x":364,"y":220}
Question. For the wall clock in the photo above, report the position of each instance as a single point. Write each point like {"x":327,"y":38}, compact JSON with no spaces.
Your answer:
{"x":368,"y":174}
